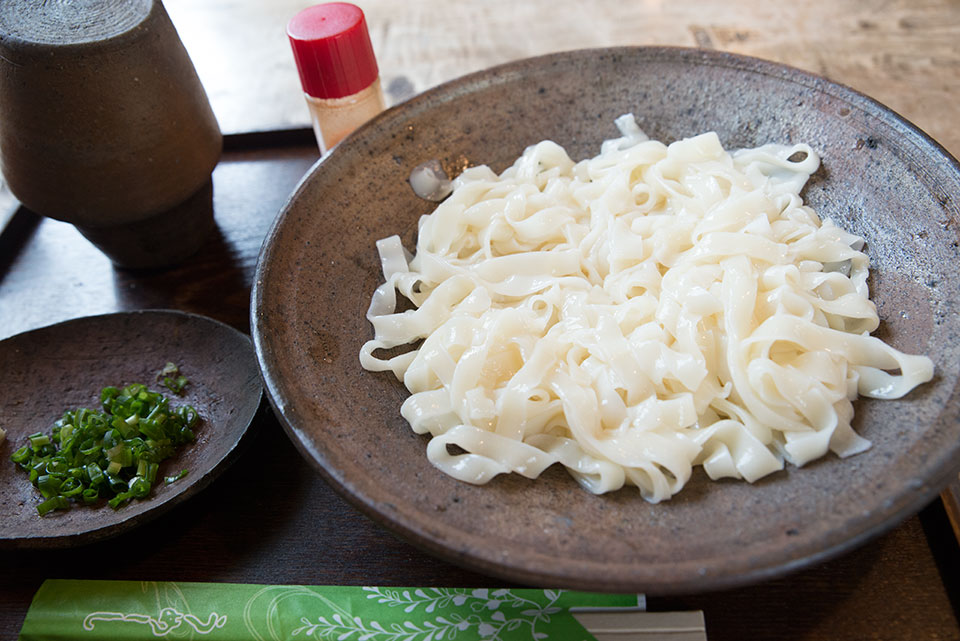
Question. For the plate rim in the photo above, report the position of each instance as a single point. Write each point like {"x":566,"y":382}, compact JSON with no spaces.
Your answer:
{"x":112,"y":530}
{"x":911,"y":500}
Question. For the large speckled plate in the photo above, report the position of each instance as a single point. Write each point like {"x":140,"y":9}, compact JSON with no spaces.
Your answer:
{"x":881,"y":178}
{"x":64,"y":366}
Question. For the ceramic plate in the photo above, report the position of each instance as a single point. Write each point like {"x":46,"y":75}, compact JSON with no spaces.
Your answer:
{"x":47,"y":371}
{"x":881,"y":178}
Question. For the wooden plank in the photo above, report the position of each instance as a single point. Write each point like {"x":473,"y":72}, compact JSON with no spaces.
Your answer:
{"x":295,"y":529}
{"x":951,"y":503}
{"x":905,"y":54}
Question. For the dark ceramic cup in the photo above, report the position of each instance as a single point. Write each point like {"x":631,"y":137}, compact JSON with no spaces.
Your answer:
{"x":104,"y":124}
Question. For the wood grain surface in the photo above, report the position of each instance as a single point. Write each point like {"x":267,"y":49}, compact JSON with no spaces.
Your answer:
{"x":270,"y":518}
{"x":904,"y":53}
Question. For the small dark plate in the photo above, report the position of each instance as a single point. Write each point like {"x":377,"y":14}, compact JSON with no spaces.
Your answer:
{"x":64,"y":366}
{"x":881,"y":178}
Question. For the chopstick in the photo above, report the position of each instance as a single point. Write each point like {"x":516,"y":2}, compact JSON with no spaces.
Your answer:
{"x":639,"y":625}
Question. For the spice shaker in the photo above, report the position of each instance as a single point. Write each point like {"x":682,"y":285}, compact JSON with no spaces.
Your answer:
{"x":337,"y":67}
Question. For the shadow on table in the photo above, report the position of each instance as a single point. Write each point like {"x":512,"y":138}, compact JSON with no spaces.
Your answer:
{"x":211,"y":283}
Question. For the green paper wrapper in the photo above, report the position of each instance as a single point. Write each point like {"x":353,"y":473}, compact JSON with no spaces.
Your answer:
{"x":133,"y":610}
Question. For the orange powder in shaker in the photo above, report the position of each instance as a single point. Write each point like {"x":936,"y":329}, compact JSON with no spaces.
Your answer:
{"x":337,"y":67}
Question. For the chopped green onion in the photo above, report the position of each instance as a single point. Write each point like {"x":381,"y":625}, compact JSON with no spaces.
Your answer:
{"x":53,"y":503}
{"x":56,"y":467}
{"x":120,"y":453}
{"x":114,"y":453}
{"x":94,"y":473}
{"x":108,"y":394}
{"x":22,"y":455}
{"x":70,"y":487}
{"x":148,"y":470}
{"x":48,"y":485}
{"x":139,"y":486}
{"x":173,"y":479}
{"x":38,"y":440}
{"x":90,"y":447}
{"x":115,"y":483}
{"x":119,"y":500}
{"x":172,"y":379}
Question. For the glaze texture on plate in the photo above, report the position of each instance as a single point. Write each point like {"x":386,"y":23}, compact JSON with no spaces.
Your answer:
{"x":881,"y":178}
{"x":47,"y":371}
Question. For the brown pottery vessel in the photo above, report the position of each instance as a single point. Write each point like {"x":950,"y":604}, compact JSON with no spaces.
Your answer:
{"x":105,"y":124}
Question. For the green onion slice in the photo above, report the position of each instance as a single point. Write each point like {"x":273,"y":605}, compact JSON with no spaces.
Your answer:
{"x":173,"y":479}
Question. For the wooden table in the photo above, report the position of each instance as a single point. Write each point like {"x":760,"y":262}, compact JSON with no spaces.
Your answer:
{"x":270,"y":518}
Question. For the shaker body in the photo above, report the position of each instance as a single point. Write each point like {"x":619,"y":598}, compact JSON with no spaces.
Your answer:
{"x":334,"y":118}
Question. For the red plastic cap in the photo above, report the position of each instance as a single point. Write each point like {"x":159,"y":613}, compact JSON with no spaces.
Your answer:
{"x":332,"y":48}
